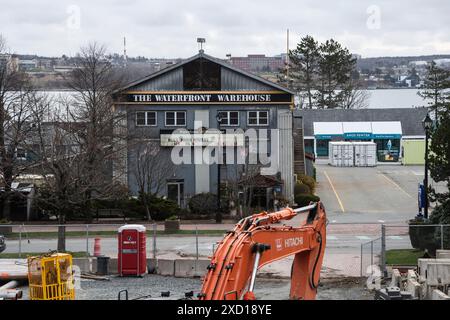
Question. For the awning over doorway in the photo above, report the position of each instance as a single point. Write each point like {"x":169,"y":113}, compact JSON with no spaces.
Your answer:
{"x":327,"y":130}
{"x":386,"y":130}
{"x":358,"y":130}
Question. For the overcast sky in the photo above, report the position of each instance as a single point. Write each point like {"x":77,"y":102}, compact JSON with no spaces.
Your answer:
{"x":169,"y":28}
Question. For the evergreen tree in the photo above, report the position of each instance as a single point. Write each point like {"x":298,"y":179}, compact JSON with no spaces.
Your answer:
{"x":436,"y":82}
{"x":304,"y":60}
{"x":335,"y":67}
{"x":439,"y":164}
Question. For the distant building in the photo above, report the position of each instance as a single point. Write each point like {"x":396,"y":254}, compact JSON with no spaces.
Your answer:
{"x":258,"y":63}
{"x":388,"y":128}
{"x":27,"y":65}
{"x":10,"y":61}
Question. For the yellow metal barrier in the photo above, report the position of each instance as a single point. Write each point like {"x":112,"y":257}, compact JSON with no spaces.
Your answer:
{"x":50,"y":277}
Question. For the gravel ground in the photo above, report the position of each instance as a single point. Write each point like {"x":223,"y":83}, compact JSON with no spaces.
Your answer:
{"x":151,"y":286}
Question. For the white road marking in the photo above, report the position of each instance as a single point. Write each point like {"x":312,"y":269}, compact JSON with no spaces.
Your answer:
{"x":382,"y":221}
{"x":395,"y":237}
{"x":363,"y":237}
{"x":331,"y":238}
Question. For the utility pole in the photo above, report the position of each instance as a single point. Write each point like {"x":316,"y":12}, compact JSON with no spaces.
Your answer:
{"x":125,"y":51}
{"x":287,"y":56}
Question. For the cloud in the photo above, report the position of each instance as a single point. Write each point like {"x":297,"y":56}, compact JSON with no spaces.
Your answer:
{"x":169,"y":28}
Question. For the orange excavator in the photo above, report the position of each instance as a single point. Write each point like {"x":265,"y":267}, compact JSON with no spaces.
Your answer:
{"x":255,"y":241}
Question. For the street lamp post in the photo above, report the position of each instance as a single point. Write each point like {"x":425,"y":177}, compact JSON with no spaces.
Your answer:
{"x":427,"y":123}
{"x":219,"y":212}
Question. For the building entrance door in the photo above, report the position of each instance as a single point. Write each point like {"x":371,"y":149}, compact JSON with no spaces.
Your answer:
{"x":175,"y":192}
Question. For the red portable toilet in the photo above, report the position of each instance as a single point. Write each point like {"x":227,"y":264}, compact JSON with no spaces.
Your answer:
{"x":132,"y":258}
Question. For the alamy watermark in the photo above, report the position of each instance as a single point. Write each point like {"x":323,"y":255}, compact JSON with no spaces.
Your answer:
{"x":232,"y":146}
{"x":374,"y":19}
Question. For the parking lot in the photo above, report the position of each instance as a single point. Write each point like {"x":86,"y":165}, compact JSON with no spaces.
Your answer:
{"x":386,"y":193}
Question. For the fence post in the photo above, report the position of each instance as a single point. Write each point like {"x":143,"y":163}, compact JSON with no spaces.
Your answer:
{"x":87,"y":241}
{"x":154,"y":241}
{"x":20,"y":241}
{"x":196,"y":248}
{"x":361,"y":262}
{"x":383,"y":251}
{"x":442,"y":237}
{"x":371,"y":253}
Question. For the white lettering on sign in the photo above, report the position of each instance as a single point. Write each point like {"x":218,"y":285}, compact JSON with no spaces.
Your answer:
{"x":155,"y":98}
{"x":129,"y":242}
{"x":142,"y":98}
{"x":293,"y":242}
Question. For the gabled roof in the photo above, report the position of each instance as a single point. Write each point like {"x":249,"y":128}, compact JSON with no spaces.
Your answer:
{"x":212,"y":59}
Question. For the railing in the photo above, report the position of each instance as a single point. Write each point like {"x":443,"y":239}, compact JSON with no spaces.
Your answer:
{"x":370,"y":250}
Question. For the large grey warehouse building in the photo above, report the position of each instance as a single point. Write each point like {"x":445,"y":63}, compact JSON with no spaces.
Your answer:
{"x":169,"y":108}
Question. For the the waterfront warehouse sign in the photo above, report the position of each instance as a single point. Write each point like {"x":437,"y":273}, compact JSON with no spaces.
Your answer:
{"x":205,"y":98}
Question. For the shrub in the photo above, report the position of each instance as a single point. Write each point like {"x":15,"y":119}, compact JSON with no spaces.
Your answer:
{"x":160,"y":208}
{"x":301,"y":188}
{"x":441,"y":215}
{"x":309,"y":181}
{"x":203,"y":204}
{"x":304,"y":199}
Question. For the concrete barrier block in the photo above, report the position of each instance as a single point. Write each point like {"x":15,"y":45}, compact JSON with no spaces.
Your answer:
{"x":396,"y":278}
{"x":190,"y":268}
{"x":166,"y":267}
{"x":422,"y":267}
{"x":86,"y":264}
{"x":413,"y":287}
{"x":438,"y":273}
{"x":439,"y":295}
{"x":442,"y":254}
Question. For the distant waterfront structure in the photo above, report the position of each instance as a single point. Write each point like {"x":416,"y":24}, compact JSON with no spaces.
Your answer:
{"x":259,"y":63}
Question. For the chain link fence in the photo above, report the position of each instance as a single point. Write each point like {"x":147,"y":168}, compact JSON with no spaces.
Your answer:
{"x":370,"y":256}
{"x":23,"y":240}
{"x":352,"y":249}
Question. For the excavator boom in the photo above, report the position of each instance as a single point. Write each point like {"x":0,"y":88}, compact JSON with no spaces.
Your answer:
{"x":255,"y":241}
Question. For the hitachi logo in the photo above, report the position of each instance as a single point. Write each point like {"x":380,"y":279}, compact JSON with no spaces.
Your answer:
{"x":293,"y":242}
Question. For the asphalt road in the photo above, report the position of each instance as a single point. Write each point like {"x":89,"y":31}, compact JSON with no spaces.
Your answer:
{"x":386,"y":193}
{"x":186,"y":246}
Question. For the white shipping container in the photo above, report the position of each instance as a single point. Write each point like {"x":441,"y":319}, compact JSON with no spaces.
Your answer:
{"x":365,"y":154}
{"x":340,"y":154}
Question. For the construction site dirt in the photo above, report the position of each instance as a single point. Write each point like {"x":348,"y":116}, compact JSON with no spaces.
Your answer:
{"x":150,"y":287}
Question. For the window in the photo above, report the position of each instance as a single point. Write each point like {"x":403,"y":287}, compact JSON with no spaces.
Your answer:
{"x":175,"y":192}
{"x":201,"y":74}
{"x":229,"y":118}
{"x":146,"y":118}
{"x":21,"y":154}
{"x":258,"y":118}
{"x":175,"y":118}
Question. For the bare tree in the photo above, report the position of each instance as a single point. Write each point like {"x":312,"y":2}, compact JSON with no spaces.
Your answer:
{"x":151,"y":171}
{"x":354,"y":96}
{"x":80,"y":142}
{"x":94,"y":84}
{"x":16,"y":124}
{"x":242,"y":180}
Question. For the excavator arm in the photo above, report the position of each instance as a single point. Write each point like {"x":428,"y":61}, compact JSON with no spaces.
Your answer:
{"x":256,"y":241}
